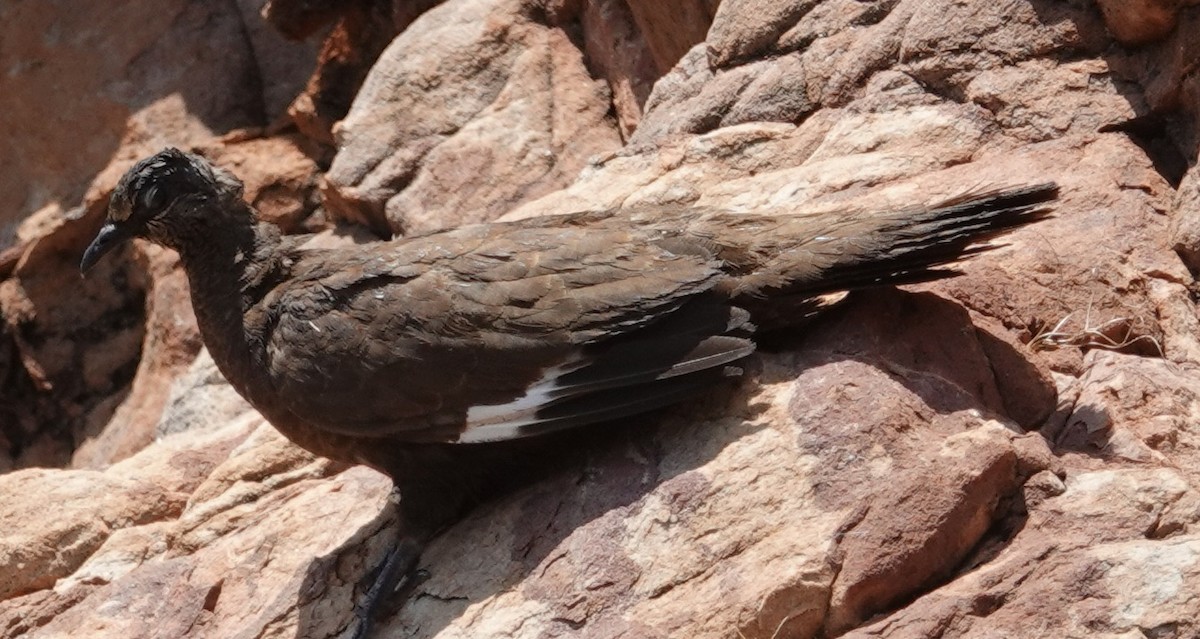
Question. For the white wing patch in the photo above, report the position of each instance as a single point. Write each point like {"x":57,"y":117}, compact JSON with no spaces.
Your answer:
{"x":607,"y":390}
{"x":496,"y":422}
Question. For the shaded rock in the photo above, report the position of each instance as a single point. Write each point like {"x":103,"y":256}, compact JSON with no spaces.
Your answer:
{"x":671,"y":28}
{"x":360,"y":32}
{"x":1185,"y":226}
{"x":1026,"y":387}
{"x":615,"y":47}
{"x":1141,"y":22}
{"x":283,"y":66}
{"x":72,"y":355}
{"x":299,"y":19}
{"x":172,"y":70}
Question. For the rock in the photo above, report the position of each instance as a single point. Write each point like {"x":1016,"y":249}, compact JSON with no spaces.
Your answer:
{"x":300,"y":19}
{"x":170,"y":342}
{"x":89,"y":506}
{"x":919,"y":529}
{"x":191,"y":71}
{"x":1006,"y":453}
{"x":1132,"y":409}
{"x":1078,"y":563}
{"x":171,"y":71}
{"x":360,"y":32}
{"x":616,"y":48}
{"x":283,"y":66}
{"x":1185,"y":227}
{"x":72,"y":355}
{"x":474,"y":109}
{"x":743,"y":29}
{"x":671,"y":28}
{"x":1135,"y":23}
{"x":189,"y":558}
{"x":280,"y":176}
{"x":200,"y":398}
{"x":1069,"y":571}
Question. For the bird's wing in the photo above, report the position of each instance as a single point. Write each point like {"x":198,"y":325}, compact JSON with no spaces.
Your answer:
{"x":497,"y":332}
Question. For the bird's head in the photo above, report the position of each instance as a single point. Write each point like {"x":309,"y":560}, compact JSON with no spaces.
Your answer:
{"x":164,"y":198}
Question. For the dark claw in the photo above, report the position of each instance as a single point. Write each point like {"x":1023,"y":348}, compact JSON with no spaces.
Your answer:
{"x":398,"y":577}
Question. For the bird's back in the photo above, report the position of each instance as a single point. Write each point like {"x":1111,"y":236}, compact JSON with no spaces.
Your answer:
{"x":465,"y":335}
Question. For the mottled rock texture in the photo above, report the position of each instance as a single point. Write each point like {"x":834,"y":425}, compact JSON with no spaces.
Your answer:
{"x":1010,"y":453}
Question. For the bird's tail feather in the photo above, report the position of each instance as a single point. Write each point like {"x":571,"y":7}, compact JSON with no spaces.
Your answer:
{"x":904,"y":247}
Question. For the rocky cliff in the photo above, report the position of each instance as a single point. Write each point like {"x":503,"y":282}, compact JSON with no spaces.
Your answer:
{"x":1010,"y":453}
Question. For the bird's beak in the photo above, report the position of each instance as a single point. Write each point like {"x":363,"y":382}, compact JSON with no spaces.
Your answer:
{"x":109,"y":237}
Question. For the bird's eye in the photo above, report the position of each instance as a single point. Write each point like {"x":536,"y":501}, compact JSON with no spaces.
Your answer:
{"x":152,"y":198}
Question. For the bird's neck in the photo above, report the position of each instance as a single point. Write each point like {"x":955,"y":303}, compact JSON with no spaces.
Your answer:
{"x":229,"y":271}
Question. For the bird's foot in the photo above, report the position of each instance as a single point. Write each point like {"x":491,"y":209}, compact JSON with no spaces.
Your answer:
{"x":394,"y":583}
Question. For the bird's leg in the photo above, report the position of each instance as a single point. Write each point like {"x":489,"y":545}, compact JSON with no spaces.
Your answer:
{"x":428,"y":500}
{"x":394,"y":583}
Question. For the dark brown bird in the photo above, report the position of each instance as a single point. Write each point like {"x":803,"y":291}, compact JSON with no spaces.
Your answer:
{"x":445,"y":360}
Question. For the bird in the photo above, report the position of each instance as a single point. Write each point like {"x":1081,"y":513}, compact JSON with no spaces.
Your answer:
{"x":453,"y":361}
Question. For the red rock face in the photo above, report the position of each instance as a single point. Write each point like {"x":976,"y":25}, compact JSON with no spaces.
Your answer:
{"x":1006,"y":453}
